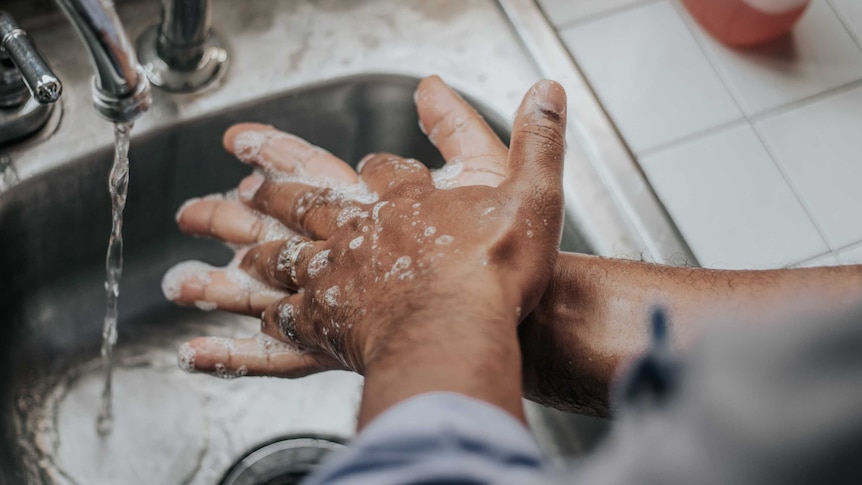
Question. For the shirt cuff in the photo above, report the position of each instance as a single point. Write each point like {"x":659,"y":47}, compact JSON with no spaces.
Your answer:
{"x":438,"y":437}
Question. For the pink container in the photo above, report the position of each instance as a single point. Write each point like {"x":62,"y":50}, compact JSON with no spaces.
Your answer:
{"x":746,"y":22}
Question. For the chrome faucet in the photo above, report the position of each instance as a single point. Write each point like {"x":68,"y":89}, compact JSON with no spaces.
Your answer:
{"x":121,"y":92}
{"x":181,"y":52}
{"x":28,"y":88}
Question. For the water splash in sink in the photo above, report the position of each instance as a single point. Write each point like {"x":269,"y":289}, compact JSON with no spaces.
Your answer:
{"x":118,"y":186}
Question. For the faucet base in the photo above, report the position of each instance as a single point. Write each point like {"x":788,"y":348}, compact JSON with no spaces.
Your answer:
{"x":211,"y":67}
{"x":123,"y":109}
{"x":23,"y":121}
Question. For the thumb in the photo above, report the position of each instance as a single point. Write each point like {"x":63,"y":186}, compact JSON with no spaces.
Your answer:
{"x":538,"y":144}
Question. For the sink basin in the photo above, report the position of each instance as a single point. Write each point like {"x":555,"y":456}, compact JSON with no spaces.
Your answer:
{"x":170,"y":427}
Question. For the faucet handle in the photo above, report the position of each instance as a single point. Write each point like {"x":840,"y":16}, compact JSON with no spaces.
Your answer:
{"x":16,"y":46}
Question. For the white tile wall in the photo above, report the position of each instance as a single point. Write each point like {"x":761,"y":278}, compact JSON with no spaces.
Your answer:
{"x":731,"y":203}
{"x":650,"y":75}
{"x":778,"y":185}
{"x":561,"y":12}
{"x":820,"y":55}
{"x":819,"y":147}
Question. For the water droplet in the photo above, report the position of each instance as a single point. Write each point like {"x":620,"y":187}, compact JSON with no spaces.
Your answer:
{"x":444,"y":239}
{"x":318,"y":263}
{"x":331,"y":296}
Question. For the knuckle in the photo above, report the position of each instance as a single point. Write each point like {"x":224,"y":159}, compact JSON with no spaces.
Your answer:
{"x":284,"y":316}
{"x":263,"y":194}
{"x":409,"y":189}
{"x":308,"y":204}
{"x":249,"y":258}
{"x":373,"y":163}
{"x":546,"y":132}
{"x":451,"y":122}
{"x":256,"y":229}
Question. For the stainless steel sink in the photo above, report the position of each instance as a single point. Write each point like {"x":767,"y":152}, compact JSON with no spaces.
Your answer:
{"x":169,"y":426}
{"x":304,"y":66}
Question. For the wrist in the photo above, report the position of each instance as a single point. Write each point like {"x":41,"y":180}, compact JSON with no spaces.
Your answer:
{"x":459,"y":354}
{"x":563,"y":364}
{"x":449,"y":327}
{"x":435,"y":316}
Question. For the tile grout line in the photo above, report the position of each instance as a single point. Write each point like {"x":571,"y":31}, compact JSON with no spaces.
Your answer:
{"x":674,"y":4}
{"x":695,"y":31}
{"x":763,"y":116}
{"x":687,"y":21}
{"x":849,"y":247}
{"x":792,"y":186}
{"x":806,"y":101}
{"x":620,"y":9}
{"x":752,"y":120}
{"x":836,"y":253}
{"x":808,"y":260}
{"x":684,"y":140}
{"x":840,"y":15}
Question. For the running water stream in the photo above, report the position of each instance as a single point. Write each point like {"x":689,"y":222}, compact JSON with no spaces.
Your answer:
{"x":118,"y":186}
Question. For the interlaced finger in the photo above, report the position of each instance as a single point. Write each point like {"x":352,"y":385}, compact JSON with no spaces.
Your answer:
{"x":385,"y":173}
{"x":257,"y":356}
{"x":272,"y":150}
{"x":229,"y":220}
{"x":194,"y":283}
{"x":315,"y":211}
{"x":285,"y":264}
{"x":292,"y":320}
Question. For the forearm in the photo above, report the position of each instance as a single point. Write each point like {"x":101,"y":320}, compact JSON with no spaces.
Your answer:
{"x":593,"y":316}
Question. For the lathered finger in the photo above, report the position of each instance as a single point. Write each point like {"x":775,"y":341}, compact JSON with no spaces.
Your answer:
{"x":261,"y":355}
{"x":198,"y":284}
{"x":272,"y":150}
{"x":285,"y":264}
{"x":229,"y":220}
{"x":292,"y":320}
{"x":307,"y":209}
{"x":461,"y":134}
{"x":385,"y":173}
{"x":281,"y":321}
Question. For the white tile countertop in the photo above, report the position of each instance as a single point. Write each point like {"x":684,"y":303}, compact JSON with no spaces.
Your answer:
{"x":756,"y":154}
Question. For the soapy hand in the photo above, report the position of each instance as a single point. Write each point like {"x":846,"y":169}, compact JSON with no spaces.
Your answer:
{"x":401,"y":251}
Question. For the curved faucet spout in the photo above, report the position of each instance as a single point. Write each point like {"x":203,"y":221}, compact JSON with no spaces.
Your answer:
{"x":121,"y":92}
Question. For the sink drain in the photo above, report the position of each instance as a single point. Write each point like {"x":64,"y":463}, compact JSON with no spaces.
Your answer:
{"x":285,"y":461}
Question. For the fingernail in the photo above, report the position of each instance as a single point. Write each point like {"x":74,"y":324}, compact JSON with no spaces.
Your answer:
{"x":250,"y":185}
{"x":177,"y":279}
{"x":206,"y":306}
{"x":248,"y":144}
{"x":365,"y":159}
{"x":548,"y":96}
{"x":186,"y":358}
{"x":183,"y":207}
